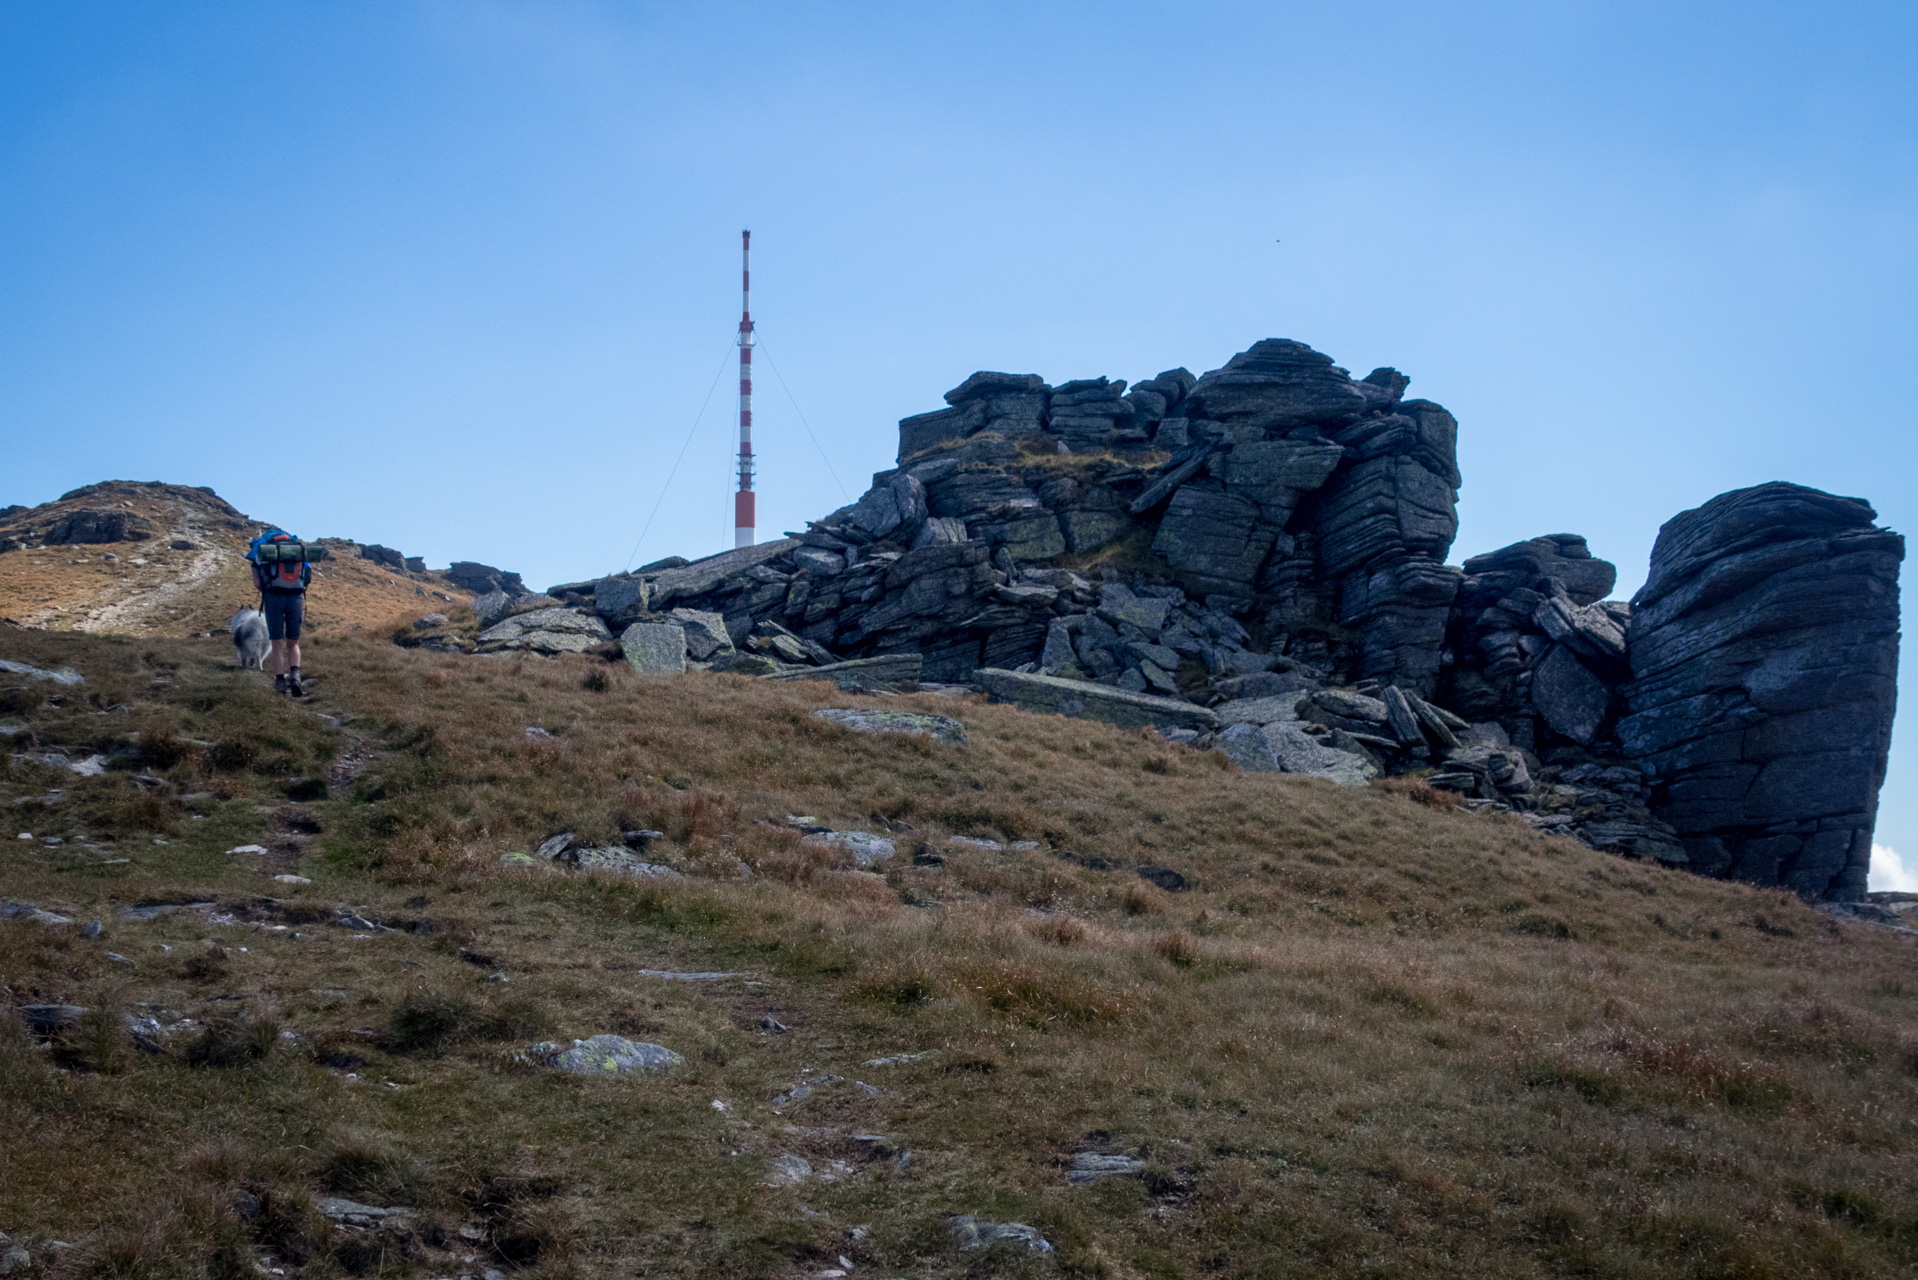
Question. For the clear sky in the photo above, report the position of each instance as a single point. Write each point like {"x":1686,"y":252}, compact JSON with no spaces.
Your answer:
{"x":456,"y":276}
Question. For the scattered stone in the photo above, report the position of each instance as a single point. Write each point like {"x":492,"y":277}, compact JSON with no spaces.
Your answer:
{"x":787,"y":1171}
{"x":1164,"y":877}
{"x":1089,"y":1167}
{"x":866,"y":848}
{"x":348,"y":1213}
{"x":248,"y":848}
{"x":45,"y":1019}
{"x":603,"y":1055}
{"x":969,"y":1232}
{"x":64,"y":676}
{"x":900,"y":1059}
{"x":941,"y":729}
{"x":11,"y":910}
{"x":153,"y":911}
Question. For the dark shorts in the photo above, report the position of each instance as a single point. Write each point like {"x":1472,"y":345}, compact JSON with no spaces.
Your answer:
{"x":285,"y":613}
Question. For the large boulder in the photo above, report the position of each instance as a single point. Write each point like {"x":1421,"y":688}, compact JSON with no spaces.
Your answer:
{"x":1764,"y":657}
{"x":654,"y":648}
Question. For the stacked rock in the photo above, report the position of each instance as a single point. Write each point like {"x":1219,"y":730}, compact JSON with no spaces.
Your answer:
{"x":1255,"y":560}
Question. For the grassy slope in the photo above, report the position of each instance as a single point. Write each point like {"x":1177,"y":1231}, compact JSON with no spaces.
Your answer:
{"x":1375,"y":1039}
{"x":181,"y":593}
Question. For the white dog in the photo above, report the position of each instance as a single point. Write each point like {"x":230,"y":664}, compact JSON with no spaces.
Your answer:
{"x":250,"y":643}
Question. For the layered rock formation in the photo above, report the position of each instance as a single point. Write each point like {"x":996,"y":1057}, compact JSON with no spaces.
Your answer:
{"x":1764,"y":662}
{"x":1255,"y":560}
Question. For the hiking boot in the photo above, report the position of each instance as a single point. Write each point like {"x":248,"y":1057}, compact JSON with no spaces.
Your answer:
{"x":279,"y":684}
{"x":296,"y":686}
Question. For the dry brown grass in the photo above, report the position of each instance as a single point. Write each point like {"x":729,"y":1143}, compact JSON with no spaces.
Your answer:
{"x":1374,"y":1037}
{"x":72,"y":587}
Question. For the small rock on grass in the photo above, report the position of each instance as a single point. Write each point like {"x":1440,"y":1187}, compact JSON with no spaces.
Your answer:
{"x":603,"y":1055}
{"x":1089,"y":1167}
{"x":942,"y":729}
{"x":865,"y":847}
{"x":969,"y":1232}
{"x":11,"y":910}
{"x":787,"y":1170}
{"x":1165,"y":877}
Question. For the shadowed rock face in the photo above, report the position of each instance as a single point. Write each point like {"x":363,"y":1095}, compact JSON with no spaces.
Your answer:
{"x":1764,"y":658}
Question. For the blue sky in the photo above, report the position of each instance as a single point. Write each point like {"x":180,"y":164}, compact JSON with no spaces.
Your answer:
{"x":457,"y":276}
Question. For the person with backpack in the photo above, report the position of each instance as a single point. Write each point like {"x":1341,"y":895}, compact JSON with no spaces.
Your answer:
{"x":282,"y":571}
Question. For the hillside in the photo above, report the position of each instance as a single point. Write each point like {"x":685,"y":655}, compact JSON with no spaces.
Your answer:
{"x":1174,"y":1018}
{"x":152,"y":559}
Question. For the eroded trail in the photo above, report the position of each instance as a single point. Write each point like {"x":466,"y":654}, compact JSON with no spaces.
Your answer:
{"x":144,"y":607}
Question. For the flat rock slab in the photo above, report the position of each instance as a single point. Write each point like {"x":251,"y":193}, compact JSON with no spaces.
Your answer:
{"x":917,"y":723}
{"x":352,"y":1214}
{"x":65,"y":675}
{"x":674,"y":976}
{"x":603,"y":1056}
{"x":891,"y":673}
{"x":1259,"y":711}
{"x":1082,"y":698}
{"x":1089,"y":1167}
{"x":701,"y":576}
{"x":11,"y":910}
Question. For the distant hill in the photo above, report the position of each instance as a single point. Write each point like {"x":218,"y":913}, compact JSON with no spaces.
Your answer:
{"x":151,"y":559}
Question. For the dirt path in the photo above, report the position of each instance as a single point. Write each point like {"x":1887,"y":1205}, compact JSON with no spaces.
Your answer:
{"x":143,"y":607}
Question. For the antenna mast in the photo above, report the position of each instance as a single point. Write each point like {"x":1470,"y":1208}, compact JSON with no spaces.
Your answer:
{"x":743,"y":500}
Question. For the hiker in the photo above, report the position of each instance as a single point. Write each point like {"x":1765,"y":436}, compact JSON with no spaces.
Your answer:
{"x":282,"y":583}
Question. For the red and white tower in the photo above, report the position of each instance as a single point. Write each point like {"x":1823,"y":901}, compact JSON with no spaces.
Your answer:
{"x":743,"y":500}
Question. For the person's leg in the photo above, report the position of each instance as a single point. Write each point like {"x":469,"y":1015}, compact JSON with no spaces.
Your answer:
{"x":271,"y":605}
{"x":295,"y":623}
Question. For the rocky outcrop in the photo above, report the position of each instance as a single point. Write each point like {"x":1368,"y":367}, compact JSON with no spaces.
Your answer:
{"x":1764,"y":657}
{"x":1254,"y":560}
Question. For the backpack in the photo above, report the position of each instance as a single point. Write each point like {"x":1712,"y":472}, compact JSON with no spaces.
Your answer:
{"x":276,"y":570}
